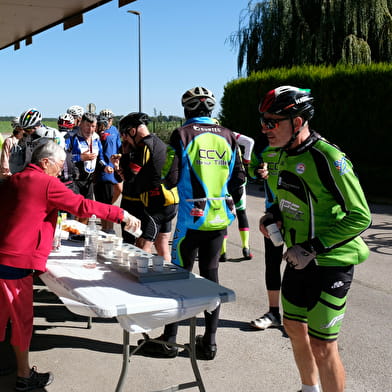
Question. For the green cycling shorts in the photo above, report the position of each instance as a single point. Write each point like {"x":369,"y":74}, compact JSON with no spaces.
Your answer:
{"x":317,"y":296}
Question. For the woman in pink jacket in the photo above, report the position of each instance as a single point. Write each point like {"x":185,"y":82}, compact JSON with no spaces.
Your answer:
{"x":29,"y":204}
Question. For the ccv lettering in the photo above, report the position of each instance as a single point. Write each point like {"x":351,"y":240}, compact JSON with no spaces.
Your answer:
{"x":211,"y":154}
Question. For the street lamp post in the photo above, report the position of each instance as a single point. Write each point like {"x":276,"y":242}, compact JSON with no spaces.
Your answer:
{"x":140,"y":57}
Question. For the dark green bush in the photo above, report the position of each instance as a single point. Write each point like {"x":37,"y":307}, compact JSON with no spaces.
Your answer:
{"x":351,"y":110}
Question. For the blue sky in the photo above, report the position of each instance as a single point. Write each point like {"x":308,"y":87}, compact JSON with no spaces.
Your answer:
{"x":184,"y":44}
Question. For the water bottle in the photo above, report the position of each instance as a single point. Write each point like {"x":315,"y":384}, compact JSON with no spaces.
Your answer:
{"x":91,"y":243}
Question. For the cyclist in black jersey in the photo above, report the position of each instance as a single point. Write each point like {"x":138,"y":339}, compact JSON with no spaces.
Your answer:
{"x":141,"y":165}
{"x":322,"y":211}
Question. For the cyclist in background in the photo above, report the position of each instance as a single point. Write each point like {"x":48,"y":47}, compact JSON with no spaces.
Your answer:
{"x":76,"y":112}
{"x":262,"y":155}
{"x":12,"y":158}
{"x":246,"y":143}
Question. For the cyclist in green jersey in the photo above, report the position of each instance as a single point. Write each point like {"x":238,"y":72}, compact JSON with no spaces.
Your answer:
{"x":322,"y":211}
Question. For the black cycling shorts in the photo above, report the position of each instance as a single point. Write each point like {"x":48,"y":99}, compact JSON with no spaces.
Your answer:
{"x":84,"y":188}
{"x":103,"y":192}
{"x":157,"y":221}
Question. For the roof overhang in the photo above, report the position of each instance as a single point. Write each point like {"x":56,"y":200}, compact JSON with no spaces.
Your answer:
{"x":20,"y":20}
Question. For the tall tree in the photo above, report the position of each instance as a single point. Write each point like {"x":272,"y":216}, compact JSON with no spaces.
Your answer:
{"x":275,"y":33}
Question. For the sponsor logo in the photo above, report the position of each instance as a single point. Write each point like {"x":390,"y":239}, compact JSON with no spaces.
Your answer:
{"x":333,"y":322}
{"x":205,"y":129}
{"x":212,"y":157}
{"x":291,"y":209}
{"x":301,"y":100}
{"x":337,"y":284}
{"x":211,"y":154}
{"x":300,"y":168}
{"x":341,"y":166}
{"x":217,"y":219}
{"x":196,"y":212}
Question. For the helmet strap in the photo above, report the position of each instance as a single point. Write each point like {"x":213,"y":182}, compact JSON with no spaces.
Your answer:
{"x":295,"y":134}
{"x":135,"y":135}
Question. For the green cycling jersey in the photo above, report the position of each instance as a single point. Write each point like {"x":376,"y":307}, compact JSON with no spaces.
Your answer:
{"x":322,"y":203}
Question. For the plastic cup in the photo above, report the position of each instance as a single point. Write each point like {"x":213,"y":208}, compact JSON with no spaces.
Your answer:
{"x":125,"y":256}
{"x":108,"y":247}
{"x":132,"y":262}
{"x":119,"y":255}
{"x":99,"y":244}
{"x":118,"y":241}
{"x":157,"y":263}
{"x":142,"y":264}
{"x":136,"y":233}
{"x":275,"y":234}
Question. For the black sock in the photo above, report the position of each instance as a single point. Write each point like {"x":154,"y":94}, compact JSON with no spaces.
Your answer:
{"x":274,"y":310}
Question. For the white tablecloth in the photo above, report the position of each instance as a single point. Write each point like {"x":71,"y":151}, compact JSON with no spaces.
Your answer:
{"x":139,"y":307}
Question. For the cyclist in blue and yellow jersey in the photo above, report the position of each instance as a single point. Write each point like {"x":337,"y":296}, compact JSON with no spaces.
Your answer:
{"x":322,"y":211}
{"x":206,"y":168}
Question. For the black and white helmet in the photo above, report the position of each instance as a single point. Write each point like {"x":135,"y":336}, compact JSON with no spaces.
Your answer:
{"x":106,"y":113}
{"x":30,"y":118}
{"x":102,"y":121}
{"x":15,"y":122}
{"x":75,"y":110}
{"x":198,"y":98}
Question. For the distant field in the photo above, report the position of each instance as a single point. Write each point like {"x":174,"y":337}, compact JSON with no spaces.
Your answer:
{"x":5,"y":126}
{"x":162,"y":129}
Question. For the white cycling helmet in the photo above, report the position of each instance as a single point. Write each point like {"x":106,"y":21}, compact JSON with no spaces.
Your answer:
{"x":198,"y":98}
{"x":15,"y":122}
{"x":106,"y":113}
{"x":48,"y":133}
{"x":30,"y":118}
{"x":75,"y":110}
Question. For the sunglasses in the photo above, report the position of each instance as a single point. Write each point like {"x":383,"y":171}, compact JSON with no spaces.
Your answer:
{"x":271,"y":123}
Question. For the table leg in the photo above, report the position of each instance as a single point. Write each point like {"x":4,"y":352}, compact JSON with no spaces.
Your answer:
{"x":192,"y":354}
{"x":125,"y":363}
{"x":191,"y":348}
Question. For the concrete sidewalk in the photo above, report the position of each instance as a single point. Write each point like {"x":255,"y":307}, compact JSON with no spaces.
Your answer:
{"x":89,"y":360}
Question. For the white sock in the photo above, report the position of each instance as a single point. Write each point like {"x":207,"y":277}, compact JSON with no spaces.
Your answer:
{"x":310,"y":388}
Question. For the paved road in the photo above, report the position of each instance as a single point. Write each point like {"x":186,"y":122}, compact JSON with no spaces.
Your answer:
{"x":86,"y":360}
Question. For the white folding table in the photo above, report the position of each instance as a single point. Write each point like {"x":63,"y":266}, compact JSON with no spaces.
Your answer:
{"x":138,"y":307}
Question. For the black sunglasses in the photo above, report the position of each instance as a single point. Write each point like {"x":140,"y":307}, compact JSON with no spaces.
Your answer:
{"x":271,"y":123}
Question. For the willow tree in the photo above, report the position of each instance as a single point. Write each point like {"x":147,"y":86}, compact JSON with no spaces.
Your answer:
{"x":276,"y":33}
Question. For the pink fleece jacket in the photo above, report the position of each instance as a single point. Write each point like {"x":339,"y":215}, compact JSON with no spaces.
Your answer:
{"x":29,"y":203}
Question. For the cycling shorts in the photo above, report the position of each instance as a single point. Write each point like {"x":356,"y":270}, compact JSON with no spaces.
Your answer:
{"x":157,"y":221}
{"x":103,"y":192}
{"x":317,"y":296}
{"x":84,"y":188}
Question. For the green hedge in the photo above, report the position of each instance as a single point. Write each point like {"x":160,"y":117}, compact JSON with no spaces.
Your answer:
{"x":352,"y":107}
